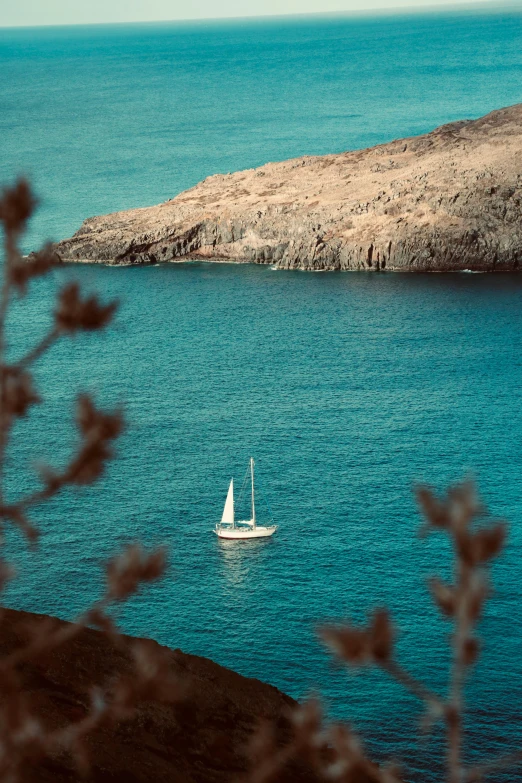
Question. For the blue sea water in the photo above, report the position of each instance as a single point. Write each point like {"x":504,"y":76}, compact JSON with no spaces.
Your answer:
{"x":347,"y":388}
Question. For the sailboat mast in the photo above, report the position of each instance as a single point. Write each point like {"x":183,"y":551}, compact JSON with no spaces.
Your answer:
{"x":253,"y":499}
{"x":233,"y":509}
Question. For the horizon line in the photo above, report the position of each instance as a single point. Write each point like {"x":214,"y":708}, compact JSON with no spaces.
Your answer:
{"x":399,"y":10}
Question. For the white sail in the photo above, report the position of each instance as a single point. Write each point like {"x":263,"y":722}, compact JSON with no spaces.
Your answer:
{"x":228,"y":511}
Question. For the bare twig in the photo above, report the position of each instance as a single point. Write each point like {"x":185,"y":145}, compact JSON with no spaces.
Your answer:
{"x":43,"y":346}
{"x":425,"y":694}
{"x":481,"y":771}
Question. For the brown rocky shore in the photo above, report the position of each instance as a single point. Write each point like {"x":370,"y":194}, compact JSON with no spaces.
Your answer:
{"x":446,"y":201}
{"x":200,"y":739}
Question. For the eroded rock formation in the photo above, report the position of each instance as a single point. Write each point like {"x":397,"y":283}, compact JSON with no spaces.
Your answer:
{"x":449,"y":200}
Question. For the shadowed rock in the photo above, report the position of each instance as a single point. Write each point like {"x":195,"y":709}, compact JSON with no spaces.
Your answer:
{"x":449,"y":200}
{"x":201,"y":739}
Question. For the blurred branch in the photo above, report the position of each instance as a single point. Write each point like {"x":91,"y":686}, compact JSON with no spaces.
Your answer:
{"x":22,"y":735}
{"x":462,"y":604}
{"x":481,"y":771}
{"x":47,"y":342}
{"x":415,"y":686}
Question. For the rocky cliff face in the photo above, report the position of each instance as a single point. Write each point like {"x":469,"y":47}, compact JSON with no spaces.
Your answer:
{"x":201,"y":739}
{"x":449,"y":200}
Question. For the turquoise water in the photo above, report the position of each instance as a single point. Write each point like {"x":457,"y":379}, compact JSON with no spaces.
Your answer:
{"x":346,"y":388}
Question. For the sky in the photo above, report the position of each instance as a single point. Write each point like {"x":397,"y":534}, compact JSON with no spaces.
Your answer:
{"x":53,"y":12}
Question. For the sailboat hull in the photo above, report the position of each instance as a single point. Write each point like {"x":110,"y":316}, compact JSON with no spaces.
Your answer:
{"x":244,"y":533}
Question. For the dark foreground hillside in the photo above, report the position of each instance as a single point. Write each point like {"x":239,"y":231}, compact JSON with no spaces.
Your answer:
{"x":201,"y":739}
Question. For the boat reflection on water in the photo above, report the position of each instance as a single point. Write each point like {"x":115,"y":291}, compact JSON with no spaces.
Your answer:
{"x":243,"y":544}
{"x":240,"y":563}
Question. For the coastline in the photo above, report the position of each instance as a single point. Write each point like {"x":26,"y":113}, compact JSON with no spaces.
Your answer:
{"x":228,"y":262}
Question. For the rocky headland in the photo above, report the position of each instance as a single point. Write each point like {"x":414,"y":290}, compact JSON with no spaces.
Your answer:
{"x":446,"y":201}
{"x":202,"y":738}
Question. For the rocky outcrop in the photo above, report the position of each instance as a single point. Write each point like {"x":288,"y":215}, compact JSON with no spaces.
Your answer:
{"x":449,"y":200}
{"x":200,"y":739}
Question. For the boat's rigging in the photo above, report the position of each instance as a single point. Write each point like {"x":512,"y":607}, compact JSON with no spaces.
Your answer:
{"x":259,"y":491}
{"x":267,"y":505}
{"x":243,"y":487}
{"x":264,"y":499}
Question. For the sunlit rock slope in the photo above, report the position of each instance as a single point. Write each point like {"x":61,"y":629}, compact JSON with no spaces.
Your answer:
{"x":449,"y":200}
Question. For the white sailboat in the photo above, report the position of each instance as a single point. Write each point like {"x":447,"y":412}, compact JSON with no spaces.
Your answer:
{"x":229,"y":528}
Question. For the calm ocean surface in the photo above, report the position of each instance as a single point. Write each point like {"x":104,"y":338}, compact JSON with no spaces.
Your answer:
{"x":347,"y":389}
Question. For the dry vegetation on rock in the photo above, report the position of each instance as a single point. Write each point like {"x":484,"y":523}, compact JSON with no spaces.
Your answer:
{"x":449,"y":200}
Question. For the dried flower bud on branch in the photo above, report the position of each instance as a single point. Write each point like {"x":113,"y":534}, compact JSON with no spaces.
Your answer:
{"x":360,"y":646}
{"x":17,"y":204}
{"x":37,"y":265}
{"x":18,"y":393}
{"x":133,"y":567}
{"x":75,"y":314}
{"x":98,"y":430}
{"x":477,"y":548}
{"x":444,"y":596}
